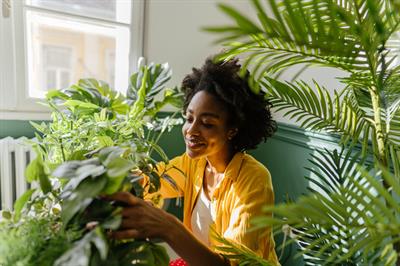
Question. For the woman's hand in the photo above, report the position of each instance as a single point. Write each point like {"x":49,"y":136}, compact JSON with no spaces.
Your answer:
{"x":140,"y":219}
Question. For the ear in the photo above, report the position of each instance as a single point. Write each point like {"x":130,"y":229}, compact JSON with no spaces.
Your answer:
{"x":232,"y":133}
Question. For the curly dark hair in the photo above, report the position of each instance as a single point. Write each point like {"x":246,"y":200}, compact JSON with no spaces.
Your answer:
{"x":248,"y":112}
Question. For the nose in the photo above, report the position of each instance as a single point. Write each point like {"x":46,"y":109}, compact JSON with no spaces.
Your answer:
{"x":192,"y":129}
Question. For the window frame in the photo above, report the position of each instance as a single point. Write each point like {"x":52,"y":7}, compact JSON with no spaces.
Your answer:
{"x":15,"y":103}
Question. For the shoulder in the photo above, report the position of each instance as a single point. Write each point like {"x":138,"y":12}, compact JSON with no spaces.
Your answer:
{"x":253,"y":184}
{"x":253,"y":174}
{"x":251,"y":167}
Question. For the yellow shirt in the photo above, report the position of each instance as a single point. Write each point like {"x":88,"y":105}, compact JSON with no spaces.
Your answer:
{"x":244,"y":190}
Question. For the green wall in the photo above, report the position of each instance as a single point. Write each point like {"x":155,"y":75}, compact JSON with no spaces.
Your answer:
{"x":16,"y":128}
{"x":285,"y":155}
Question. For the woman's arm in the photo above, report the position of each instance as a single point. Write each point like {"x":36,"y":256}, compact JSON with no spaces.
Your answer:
{"x":141,"y":220}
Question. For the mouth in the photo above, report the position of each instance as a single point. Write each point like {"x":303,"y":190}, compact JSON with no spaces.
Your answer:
{"x":194,"y":144}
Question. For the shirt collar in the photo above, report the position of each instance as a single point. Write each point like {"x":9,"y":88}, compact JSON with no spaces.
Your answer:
{"x":234,"y":166}
{"x":231,"y":171}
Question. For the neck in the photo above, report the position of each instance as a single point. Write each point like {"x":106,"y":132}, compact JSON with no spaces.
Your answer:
{"x":218,"y":163}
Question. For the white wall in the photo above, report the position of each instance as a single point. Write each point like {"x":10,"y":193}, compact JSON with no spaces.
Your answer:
{"x":173,"y":34}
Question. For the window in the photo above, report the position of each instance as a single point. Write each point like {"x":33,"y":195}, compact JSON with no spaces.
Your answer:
{"x":56,"y":67}
{"x":51,"y":44}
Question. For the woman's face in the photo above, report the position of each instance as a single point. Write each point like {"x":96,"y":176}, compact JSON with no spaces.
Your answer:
{"x":206,"y":129}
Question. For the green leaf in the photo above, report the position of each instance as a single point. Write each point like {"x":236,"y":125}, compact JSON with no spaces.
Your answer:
{"x":155,"y":183}
{"x":34,"y":170}
{"x":108,"y":154}
{"x":80,"y":253}
{"x":80,"y":104}
{"x":81,"y":197}
{"x":113,"y":223}
{"x":104,"y":141}
{"x":6,"y":215}
{"x":119,"y":167}
{"x":52,"y":94}
{"x":160,"y":255}
{"x":243,"y":22}
{"x":45,"y":183}
{"x":114,"y":184}
{"x":20,"y":203}
{"x":78,"y":155}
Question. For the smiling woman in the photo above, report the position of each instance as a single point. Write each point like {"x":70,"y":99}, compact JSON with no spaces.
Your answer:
{"x":223,"y":187}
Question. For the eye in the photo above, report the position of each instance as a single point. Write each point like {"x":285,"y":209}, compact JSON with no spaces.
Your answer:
{"x":189,"y":119}
{"x":207,"y":125}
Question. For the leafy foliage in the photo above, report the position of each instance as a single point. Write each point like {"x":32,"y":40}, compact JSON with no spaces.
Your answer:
{"x":351,"y":216}
{"x":34,"y":241}
{"x":98,"y":143}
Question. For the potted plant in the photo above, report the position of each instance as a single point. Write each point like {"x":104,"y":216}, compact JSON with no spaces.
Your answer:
{"x":98,"y":142}
{"x":352,"y":215}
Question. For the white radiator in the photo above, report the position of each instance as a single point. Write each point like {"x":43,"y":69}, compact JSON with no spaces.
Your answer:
{"x":15,"y":155}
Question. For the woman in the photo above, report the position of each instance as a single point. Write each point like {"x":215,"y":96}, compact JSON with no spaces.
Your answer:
{"x":223,"y":187}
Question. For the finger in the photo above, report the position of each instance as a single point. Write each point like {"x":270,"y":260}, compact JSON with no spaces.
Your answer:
{"x":124,"y":197}
{"x":125,"y":234}
{"x":128,"y":224}
{"x":132,"y":211}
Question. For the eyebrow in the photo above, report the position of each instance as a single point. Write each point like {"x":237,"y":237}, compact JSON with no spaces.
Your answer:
{"x":213,"y":115}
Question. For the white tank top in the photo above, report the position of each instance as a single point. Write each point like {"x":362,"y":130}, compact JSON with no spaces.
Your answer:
{"x":202,"y":217}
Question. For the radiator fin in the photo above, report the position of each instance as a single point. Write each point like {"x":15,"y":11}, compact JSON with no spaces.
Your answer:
{"x":15,"y":155}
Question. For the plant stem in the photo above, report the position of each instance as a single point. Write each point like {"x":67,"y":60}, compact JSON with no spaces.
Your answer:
{"x":381,"y":153}
{"x":62,"y":150}
{"x":380,"y":137}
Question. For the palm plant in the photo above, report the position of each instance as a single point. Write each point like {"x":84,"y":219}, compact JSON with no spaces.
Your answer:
{"x":352,"y":215}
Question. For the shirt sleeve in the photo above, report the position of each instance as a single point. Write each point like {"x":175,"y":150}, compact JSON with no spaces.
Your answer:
{"x":254,"y":196}
{"x":173,"y":177}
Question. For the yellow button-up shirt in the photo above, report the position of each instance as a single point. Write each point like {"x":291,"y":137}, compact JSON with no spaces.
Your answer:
{"x":244,"y":190}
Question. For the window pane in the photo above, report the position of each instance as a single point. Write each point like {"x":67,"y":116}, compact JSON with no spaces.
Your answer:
{"x":56,"y":56}
{"x":75,"y":50}
{"x":50,"y":79}
{"x":114,"y":10}
{"x":65,"y":78}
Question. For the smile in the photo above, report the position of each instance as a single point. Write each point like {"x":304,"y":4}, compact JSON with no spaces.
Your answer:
{"x":194,"y":144}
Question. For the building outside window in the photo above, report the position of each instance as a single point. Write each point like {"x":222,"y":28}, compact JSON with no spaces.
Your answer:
{"x":58,"y":42}
{"x":56,"y":67}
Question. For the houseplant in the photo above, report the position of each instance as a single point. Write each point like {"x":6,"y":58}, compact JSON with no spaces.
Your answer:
{"x":98,"y":142}
{"x":352,"y":215}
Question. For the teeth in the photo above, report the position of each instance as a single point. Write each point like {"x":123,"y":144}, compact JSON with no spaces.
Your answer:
{"x":194,"y":142}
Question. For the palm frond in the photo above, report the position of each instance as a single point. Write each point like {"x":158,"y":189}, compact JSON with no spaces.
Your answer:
{"x":344,"y":34}
{"x":317,"y":110}
{"x":332,"y":168}
{"x":297,"y":31}
{"x":346,"y":225}
{"x":237,"y":252}
{"x":391,"y":105}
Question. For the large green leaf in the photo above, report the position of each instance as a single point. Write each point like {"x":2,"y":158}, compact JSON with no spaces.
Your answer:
{"x":81,"y":197}
{"x":80,"y":253}
{"x":20,"y":203}
{"x":36,"y":172}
